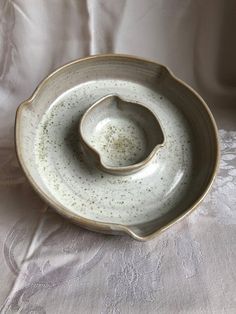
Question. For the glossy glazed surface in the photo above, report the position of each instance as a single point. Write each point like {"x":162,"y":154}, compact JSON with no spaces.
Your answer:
{"x":144,"y":202}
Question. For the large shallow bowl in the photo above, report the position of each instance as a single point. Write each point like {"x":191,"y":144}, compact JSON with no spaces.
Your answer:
{"x":141,"y":204}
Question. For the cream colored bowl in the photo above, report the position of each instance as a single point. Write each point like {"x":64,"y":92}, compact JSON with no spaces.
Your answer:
{"x":122,"y":137}
{"x":140,"y":204}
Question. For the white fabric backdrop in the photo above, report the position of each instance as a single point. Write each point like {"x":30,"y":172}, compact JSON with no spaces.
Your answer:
{"x":49,"y":265}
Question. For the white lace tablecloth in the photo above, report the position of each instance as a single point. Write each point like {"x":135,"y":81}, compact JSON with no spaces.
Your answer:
{"x":49,"y":265}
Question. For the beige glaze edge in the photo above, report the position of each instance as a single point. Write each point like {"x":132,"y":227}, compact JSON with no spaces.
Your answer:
{"x":112,"y":228}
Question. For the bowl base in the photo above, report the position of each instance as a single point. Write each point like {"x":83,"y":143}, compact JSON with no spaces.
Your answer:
{"x":120,"y":141}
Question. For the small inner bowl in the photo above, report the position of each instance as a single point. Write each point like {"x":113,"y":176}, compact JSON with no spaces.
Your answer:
{"x":122,"y":136}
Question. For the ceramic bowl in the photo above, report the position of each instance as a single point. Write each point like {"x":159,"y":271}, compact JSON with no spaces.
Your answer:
{"x":140,"y":204}
{"x":121,"y":136}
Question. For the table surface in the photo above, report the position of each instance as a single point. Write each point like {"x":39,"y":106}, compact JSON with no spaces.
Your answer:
{"x":49,"y":265}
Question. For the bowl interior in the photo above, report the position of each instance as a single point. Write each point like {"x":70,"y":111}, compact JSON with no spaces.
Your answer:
{"x":123,"y":133}
{"x":47,"y":144}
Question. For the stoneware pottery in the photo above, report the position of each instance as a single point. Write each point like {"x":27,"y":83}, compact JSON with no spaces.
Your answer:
{"x":121,"y":136}
{"x":117,"y":144}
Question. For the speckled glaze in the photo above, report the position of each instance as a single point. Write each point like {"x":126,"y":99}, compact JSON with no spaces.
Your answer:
{"x":141,"y":204}
{"x":120,"y":136}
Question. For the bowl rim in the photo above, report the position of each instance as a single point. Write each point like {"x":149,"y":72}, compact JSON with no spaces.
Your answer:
{"x":122,"y":170}
{"x":107,"y":227}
